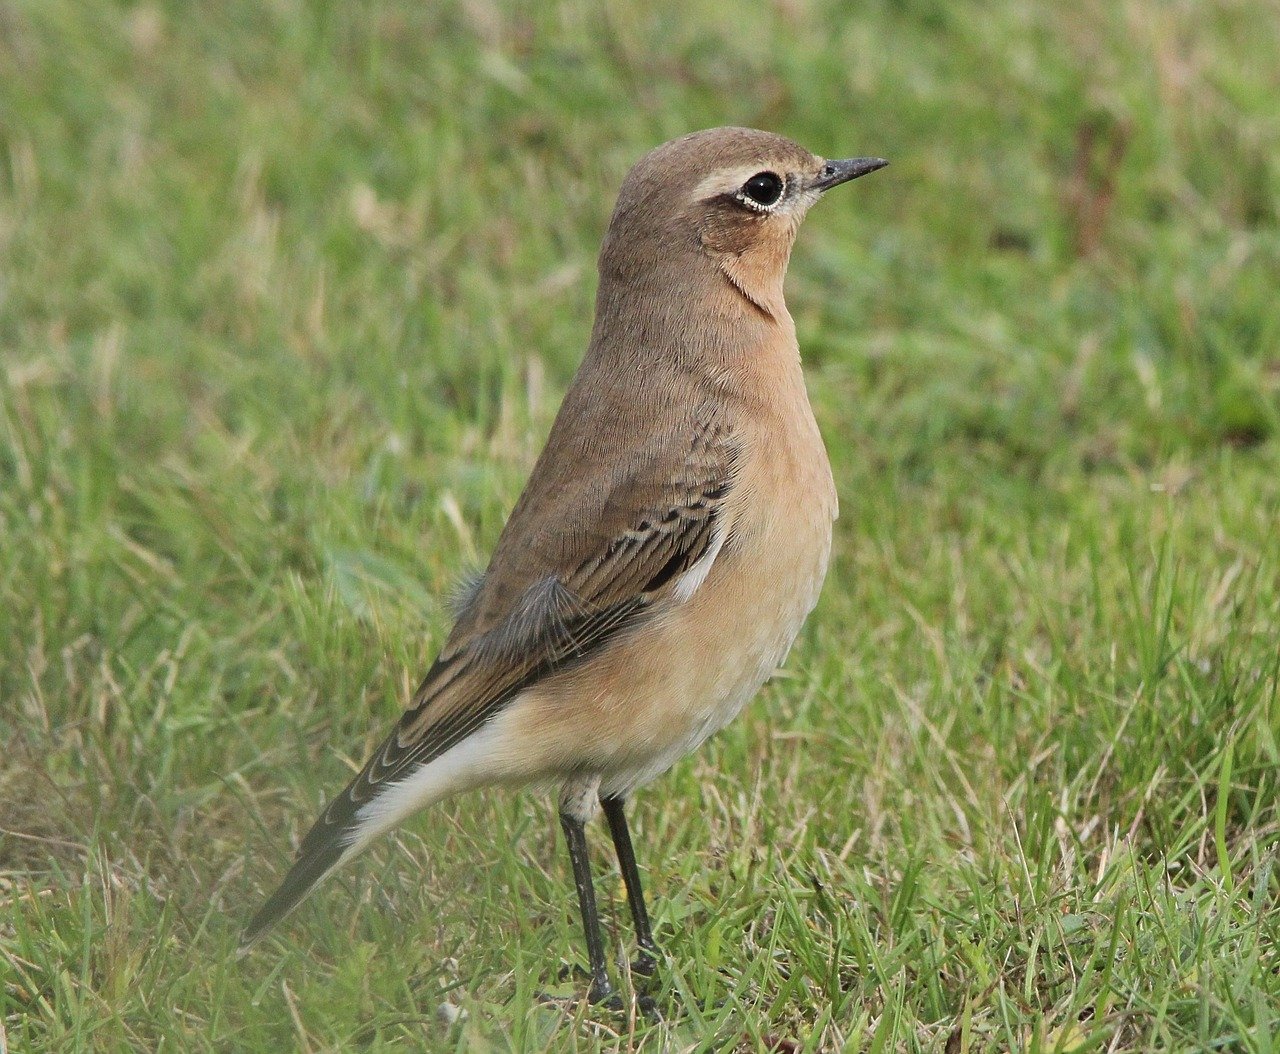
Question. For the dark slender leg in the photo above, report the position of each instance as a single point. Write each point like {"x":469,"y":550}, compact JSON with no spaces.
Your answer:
{"x":573,"y":833}
{"x":613,"y":812}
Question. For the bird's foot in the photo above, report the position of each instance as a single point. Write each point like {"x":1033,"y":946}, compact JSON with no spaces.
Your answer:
{"x":603,"y":996}
{"x":578,"y":973}
{"x":599,"y":993}
{"x":648,"y":1006}
{"x":644,"y":979}
{"x":645,"y":964}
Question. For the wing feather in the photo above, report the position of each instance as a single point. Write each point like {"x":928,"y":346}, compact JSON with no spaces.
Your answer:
{"x":551,"y":597}
{"x":559,"y":619}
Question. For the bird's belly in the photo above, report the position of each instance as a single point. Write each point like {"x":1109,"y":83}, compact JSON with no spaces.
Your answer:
{"x":721,"y":651}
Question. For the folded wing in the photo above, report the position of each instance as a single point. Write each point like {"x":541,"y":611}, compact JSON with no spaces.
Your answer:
{"x":642,"y":537}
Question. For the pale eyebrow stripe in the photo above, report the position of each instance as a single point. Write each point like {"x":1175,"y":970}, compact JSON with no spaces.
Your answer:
{"x":730,"y":181}
{"x":727,"y":180}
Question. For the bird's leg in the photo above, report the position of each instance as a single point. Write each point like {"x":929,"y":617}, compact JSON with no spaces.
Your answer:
{"x":574,"y":834}
{"x":647,"y":960}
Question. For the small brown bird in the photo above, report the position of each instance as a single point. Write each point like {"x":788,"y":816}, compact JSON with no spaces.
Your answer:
{"x":670,"y":543}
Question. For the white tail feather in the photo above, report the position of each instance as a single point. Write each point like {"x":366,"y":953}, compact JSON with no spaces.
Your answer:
{"x":477,"y":759}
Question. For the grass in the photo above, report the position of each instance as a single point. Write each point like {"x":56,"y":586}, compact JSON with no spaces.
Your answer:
{"x":291,"y":292}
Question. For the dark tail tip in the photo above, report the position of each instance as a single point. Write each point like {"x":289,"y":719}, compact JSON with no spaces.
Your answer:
{"x":301,"y":880}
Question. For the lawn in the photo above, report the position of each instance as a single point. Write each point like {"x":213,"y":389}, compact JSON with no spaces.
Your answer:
{"x":289,"y":294}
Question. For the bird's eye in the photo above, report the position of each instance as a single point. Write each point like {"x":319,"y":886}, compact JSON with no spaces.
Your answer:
{"x":764,"y":188}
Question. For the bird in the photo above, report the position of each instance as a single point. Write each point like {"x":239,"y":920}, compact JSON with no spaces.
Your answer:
{"x":669,"y":544}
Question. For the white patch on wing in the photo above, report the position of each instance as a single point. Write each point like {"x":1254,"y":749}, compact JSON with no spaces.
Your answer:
{"x":689,"y":582}
{"x":473,"y":760}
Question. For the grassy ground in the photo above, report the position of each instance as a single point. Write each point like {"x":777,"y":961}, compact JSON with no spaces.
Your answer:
{"x":289,"y":295}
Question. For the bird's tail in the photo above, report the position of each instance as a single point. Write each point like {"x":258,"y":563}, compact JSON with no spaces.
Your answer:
{"x":307,"y":872}
{"x":371,"y":806}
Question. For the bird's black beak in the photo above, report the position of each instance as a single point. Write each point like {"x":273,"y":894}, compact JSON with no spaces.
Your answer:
{"x":836,"y":172}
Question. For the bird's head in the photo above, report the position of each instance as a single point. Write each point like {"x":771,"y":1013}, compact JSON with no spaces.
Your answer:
{"x":733,"y":197}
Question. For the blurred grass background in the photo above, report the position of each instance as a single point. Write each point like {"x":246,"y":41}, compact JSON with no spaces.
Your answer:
{"x":289,"y":293}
